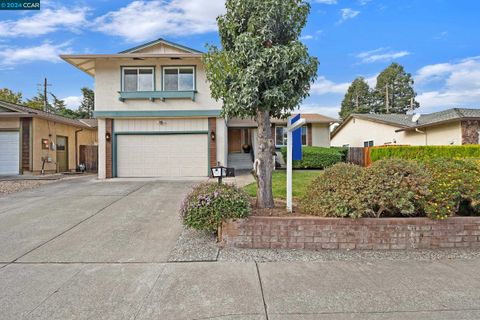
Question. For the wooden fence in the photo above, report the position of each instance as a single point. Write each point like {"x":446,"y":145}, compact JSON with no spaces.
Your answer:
{"x":361,"y":155}
{"x":89,"y":157}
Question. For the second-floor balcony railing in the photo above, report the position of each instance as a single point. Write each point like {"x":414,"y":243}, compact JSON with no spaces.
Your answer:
{"x":153,"y":95}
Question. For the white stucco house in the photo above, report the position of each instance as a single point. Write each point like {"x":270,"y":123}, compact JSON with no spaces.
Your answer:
{"x":456,"y":126}
{"x":156,"y":116}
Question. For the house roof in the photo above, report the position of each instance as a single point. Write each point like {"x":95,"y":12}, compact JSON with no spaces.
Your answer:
{"x":87,"y":62}
{"x":160,"y":41}
{"x":10,"y":110}
{"x":404,"y":121}
{"x":309,"y":117}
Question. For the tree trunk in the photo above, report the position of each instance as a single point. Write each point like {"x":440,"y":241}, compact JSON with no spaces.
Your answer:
{"x":264,"y":160}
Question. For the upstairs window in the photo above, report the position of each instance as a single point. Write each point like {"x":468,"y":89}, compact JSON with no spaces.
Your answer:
{"x":138,"y":79}
{"x":368,"y":143}
{"x":178,"y":79}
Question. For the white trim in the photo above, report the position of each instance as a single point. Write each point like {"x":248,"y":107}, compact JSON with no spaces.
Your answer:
{"x":178,"y":78}
{"x":138,"y":78}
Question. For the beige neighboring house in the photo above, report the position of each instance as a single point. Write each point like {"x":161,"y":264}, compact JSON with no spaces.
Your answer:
{"x":156,"y":116}
{"x":29,"y":136}
{"x":457,"y":126}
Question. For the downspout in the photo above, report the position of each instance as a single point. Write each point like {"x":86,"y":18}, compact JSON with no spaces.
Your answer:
{"x":76,"y":148}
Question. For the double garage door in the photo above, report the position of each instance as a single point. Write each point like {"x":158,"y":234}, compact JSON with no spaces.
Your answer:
{"x":9,"y":153}
{"x":171,"y":155}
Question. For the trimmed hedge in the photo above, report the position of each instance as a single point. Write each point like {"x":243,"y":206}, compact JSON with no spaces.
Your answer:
{"x":317,"y":157}
{"x":425,"y":152}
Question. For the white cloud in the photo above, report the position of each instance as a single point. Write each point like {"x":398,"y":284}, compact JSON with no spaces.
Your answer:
{"x":324,"y":86}
{"x":381,"y":55}
{"x":363,"y":2}
{"x":306,"y":37}
{"x":11,"y":56}
{"x":144,"y":20}
{"x":457,"y":84}
{"x":348,"y":13}
{"x":72,"y":102}
{"x":44,"y":22}
{"x":326,"y":1}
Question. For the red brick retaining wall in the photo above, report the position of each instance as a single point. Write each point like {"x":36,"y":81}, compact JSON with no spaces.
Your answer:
{"x":335,"y":233}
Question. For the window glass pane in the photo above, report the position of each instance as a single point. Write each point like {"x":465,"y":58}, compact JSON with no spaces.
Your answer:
{"x":304,"y":136}
{"x":145,"y":80}
{"x":185,"y":79}
{"x":279,"y":136}
{"x":129,"y":80}
{"x":171,"y":79}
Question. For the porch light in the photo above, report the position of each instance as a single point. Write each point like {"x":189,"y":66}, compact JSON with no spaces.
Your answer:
{"x":108,"y":136}
{"x":212,"y":135}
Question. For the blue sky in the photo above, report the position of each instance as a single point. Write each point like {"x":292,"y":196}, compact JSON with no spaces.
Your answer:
{"x":436,"y":41}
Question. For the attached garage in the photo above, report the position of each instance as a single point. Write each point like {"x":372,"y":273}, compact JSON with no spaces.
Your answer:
{"x":162,"y":155}
{"x":9,"y":152}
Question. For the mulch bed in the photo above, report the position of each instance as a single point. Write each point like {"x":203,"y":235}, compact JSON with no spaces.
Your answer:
{"x":278,"y":211}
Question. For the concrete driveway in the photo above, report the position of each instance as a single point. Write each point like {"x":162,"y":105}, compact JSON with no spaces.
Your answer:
{"x":87,"y":249}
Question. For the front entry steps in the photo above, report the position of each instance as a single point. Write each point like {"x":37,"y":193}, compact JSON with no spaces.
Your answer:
{"x":240,"y":161}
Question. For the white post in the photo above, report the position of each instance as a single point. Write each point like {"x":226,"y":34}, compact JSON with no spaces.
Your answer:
{"x":290,"y":128}
{"x":289,"y":166}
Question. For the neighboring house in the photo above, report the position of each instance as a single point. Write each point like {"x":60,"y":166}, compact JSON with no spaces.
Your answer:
{"x":157,"y":117}
{"x":29,"y":136}
{"x":455,"y":126}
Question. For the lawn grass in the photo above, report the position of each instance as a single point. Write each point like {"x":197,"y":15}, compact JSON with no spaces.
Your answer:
{"x":300,"y":182}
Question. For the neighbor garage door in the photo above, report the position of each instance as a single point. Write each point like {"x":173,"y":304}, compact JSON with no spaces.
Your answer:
{"x":162,"y":155}
{"x":9,"y":153}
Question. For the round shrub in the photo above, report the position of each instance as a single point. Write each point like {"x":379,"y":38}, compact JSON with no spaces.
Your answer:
{"x":395,"y":188}
{"x":336,"y":193}
{"x":454,"y":188}
{"x":210,"y":203}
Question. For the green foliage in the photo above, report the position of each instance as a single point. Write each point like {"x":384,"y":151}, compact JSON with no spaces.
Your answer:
{"x":455,"y":187}
{"x":336,"y":193}
{"x":438,"y":189}
{"x":425,"y":152}
{"x":210,"y":203}
{"x":38,"y":102}
{"x":317,"y":157}
{"x":262,"y":65}
{"x":395,"y":188}
{"x":357,"y":99}
{"x":10,"y":96}
{"x":399,"y":85}
{"x":87,"y":106}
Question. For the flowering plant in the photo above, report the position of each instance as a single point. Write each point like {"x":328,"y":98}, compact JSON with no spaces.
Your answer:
{"x":210,"y":203}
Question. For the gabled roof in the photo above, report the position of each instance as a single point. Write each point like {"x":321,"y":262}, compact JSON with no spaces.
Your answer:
{"x":87,"y":62}
{"x":309,"y":117}
{"x":404,"y":121}
{"x":160,"y":41}
{"x":16,"y":110}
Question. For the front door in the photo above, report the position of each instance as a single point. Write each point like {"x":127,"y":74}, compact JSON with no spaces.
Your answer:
{"x":62,"y":154}
{"x":234,"y":140}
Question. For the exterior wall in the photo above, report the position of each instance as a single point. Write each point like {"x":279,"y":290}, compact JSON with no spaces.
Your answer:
{"x":9,"y":123}
{"x":161,"y":125}
{"x":320,"y":135}
{"x":160,"y":49}
{"x":471,"y":132}
{"x":101,"y":149}
{"x":317,"y":233}
{"x":445,"y":134}
{"x":43,"y":129}
{"x":356,"y":131}
{"x":108,"y":83}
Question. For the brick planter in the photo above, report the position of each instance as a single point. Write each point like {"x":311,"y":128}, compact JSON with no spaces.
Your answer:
{"x":317,"y":233}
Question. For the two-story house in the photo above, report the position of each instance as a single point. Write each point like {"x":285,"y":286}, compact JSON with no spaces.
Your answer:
{"x":156,"y":117}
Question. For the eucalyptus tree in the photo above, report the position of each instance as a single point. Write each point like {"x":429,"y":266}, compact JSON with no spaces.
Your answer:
{"x":262,"y":70}
{"x":358,"y":99}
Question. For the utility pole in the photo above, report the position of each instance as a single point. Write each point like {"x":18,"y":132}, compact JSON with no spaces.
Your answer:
{"x":386,"y":98}
{"x":45,"y":98}
{"x":356,"y":102}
